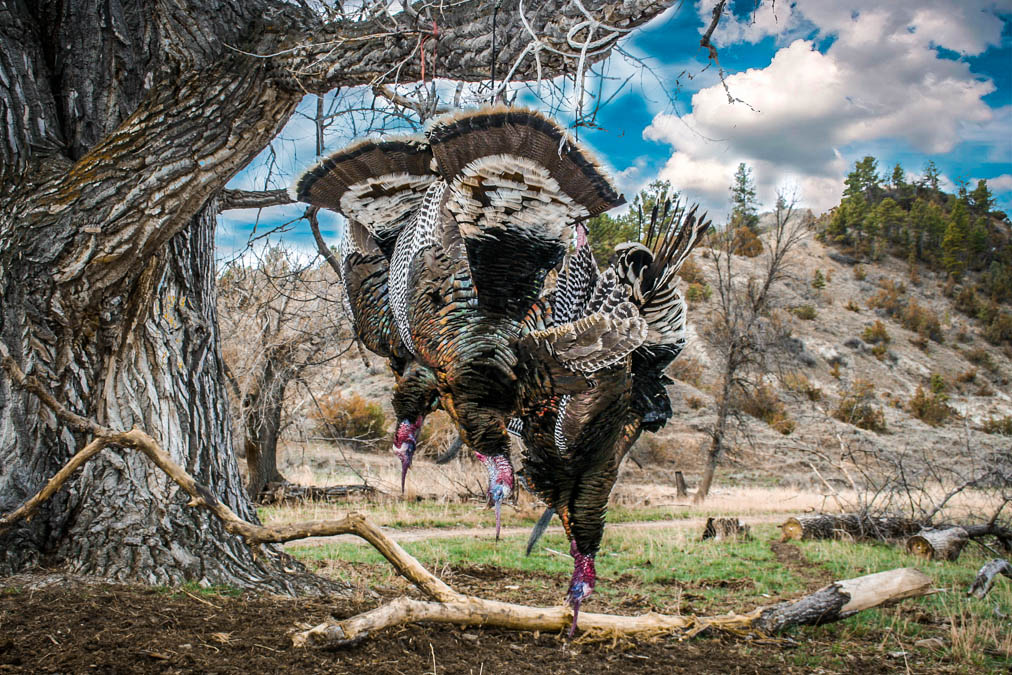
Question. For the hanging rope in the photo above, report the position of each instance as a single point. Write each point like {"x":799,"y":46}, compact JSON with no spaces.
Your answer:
{"x":495,"y":17}
{"x":435,"y":37}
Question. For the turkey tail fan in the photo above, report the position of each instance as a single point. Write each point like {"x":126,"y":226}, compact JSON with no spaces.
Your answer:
{"x":651,"y":268}
{"x":378,"y":183}
{"x":461,"y":138}
{"x":517,"y":183}
{"x":539,"y":529}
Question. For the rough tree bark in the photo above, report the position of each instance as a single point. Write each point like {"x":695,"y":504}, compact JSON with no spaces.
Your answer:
{"x":121,"y":123}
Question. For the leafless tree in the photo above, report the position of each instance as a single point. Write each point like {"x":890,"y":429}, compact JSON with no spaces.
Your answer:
{"x":124,"y":121}
{"x":279,"y":320}
{"x":743,"y":331}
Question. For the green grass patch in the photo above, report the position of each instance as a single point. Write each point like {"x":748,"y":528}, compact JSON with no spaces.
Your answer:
{"x":972,"y":629}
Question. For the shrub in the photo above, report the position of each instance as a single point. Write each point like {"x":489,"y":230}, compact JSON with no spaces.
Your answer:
{"x":966,"y":301}
{"x":698,"y":292}
{"x":888,"y":297}
{"x":800,"y":384}
{"x":981,"y":357}
{"x":967,"y":376}
{"x":818,"y":280}
{"x":692,"y":272}
{"x":922,"y":320}
{"x":853,"y":306}
{"x":880,"y":350}
{"x":999,"y":329}
{"x":920,"y":342}
{"x":764,"y":404}
{"x":694,"y":402}
{"x":930,"y":407}
{"x":746,"y":243}
{"x":687,"y":369}
{"x":805,"y":312}
{"x":855,"y":407}
{"x":1002,"y":426}
{"x":860,"y":273}
{"x":876,"y":333}
{"x":351,"y":417}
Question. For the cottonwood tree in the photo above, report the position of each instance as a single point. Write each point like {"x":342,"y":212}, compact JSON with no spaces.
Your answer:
{"x":122,"y":123}
{"x":280,"y":319}
{"x":742,"y":331}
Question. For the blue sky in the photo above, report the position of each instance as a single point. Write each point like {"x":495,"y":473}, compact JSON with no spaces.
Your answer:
{"x":820,"y":83}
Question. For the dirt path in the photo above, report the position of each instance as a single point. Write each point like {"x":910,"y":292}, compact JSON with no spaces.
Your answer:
{"x":424,"y":534}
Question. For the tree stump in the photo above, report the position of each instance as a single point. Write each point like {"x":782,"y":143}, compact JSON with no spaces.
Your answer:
{"x":938,"y":544}
{"x":683,"y":491}
{"x":849,"y":526}
{"x":981,"y":586}
{"x":725,"y":528}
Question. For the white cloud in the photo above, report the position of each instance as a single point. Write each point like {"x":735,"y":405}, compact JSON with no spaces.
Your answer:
{"x":1002,"y":183}
{"x":964,"y":26}
{"x":881,"y":80}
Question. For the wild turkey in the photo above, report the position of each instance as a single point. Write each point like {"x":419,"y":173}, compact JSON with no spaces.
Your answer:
{"x":469,"y":269}
{"x":378,"y":186}
{"x":573,"y":443}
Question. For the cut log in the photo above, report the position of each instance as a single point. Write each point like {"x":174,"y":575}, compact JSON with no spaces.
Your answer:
{"x":849,"y":526}
{"x":945,"y":544}
{"x":725,"y":528}
{"x":844,"y":598}
{"x":278,"y":493}
{"x":981,"y":586}
{"x":683,"y":491}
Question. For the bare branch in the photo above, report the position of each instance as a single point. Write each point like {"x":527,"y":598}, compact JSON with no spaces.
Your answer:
{"x":252,"y":199}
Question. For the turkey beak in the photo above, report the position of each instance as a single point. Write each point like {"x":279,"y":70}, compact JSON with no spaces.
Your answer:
{"x":575,"y":603}
{"x":498,"y":516}
{"x":405,"y":453}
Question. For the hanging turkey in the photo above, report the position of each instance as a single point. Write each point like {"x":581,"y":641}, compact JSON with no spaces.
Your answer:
{"x":573,"y":443}
{"x":378,"y":186}
{"x":470,"y":267}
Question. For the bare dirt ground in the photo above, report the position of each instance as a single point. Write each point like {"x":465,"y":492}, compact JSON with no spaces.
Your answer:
{"x":124,"y":629}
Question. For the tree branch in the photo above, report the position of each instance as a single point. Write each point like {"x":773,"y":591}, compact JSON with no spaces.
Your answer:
{"x":348,"y":53}
{"x":252,"y":199}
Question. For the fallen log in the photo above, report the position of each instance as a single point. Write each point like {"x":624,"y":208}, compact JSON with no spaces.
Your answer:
{"x":942,"y":544}
{"x":981,"y":586}
{"x":848,"y":526}
{"x":837,"y":601}
{"x":725,"y":528}
{"x":282,"y":493}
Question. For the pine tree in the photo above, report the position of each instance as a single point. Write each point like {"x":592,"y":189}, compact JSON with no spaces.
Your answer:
{"x":864,"y":180}
{"x":898,"y":178}
{"x":743,"y":198}
{"x":931,"y":176}
{"x":981,"y":199}
{"x":954,"y":243}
